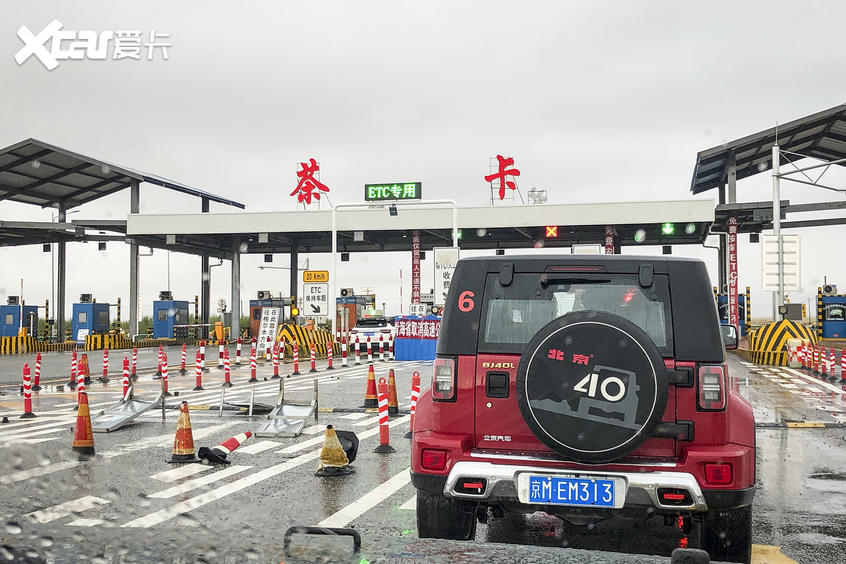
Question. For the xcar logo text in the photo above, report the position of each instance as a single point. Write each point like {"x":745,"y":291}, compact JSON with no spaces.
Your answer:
{"x":53,"y":44}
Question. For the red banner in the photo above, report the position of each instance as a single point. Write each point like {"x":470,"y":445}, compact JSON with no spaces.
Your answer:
{"x":732,"y":270}
{"x":415,"y":267}
{"x":609,"y":240}
{"x":418,"y":328}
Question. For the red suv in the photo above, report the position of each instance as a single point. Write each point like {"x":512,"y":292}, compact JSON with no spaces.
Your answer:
{"x":585,"y":387}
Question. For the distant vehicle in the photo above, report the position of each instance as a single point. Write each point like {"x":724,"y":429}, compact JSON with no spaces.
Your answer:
{"x":586,"y":387}
{"x":373,"y":327}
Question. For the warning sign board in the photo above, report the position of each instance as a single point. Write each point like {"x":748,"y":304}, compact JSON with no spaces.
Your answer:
{"x":315,"y":300}
{"x":270,"y":317}
{"x":315,"y":276}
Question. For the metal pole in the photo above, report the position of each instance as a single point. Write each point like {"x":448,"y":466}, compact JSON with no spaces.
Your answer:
{"x":779,"y":298}
{"x":235,"y":308}
{"x":134,"y":206}
{"x":222,"y":398}
{"x":332,"y":305}
{"x":60,"y":280}
{"x":252,"y":400}
{"x":316,"y":404}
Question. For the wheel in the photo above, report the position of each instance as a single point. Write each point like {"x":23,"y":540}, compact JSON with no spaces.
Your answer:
{"x":727,"y":535}
{"x":440,"y":517}
{"x":592,"y":386}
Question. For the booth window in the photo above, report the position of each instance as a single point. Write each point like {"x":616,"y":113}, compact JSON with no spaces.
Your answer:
{"x":181,"y":317}
{"x":162,"y":315}
{"x":257,"y":314}
{"x":835,"y":313}
{"x":103,"y":318}
{"x":83,"y":318}
{"x":10,"y":319}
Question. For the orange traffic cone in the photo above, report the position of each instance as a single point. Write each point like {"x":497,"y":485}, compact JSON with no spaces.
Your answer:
{"x":83,"y":363}
{"x":393,"y":404}
{"x":83,"y":438}
{"x":183,"y":444}
{"x":370,"y":397}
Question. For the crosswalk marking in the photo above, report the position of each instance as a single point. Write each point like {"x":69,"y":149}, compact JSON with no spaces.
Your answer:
{"x":5,"y":443}
{"x":314,"y":429}
{"x":87,"y":523}
{"x":355,"y":416}
{"x":411,"y":504}
{"x":366,"y":422}
{"x":380,"y":493}
{"x":195,"y":483}
{"x":258,"y":447}
{"x":67,"y":508}
{"x":180,"y":472}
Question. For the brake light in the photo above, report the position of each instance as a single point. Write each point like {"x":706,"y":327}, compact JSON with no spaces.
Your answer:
{"x":443,"y":379}
{"x":712,"y":387}
{"x":433,"y":459}
{"x":718,"y":473}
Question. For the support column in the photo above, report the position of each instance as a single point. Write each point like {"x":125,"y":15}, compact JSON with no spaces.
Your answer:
{"x":60,"y":280}
{"x":295,"y":258}
{"x":235,"y":326}
{"x":134,"y":199}
{"x":722,"y":259}
{"x":205,"y":283}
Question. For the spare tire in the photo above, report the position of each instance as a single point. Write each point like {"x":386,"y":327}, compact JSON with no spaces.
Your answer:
{"x":592,"y":386}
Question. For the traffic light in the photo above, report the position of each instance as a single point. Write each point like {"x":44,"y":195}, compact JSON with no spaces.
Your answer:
{"x":551,"y":231}
{"x":294,"y":309}
{"x":668,"y":229}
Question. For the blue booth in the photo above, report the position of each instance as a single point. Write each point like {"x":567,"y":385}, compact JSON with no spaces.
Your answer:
{"x":834,"y":317}
{"x":166,"y":314}
{"x":417,"y":337}
{"x":89,"y":319}
{"x":10,"y":319}
{"x":722,"y":307}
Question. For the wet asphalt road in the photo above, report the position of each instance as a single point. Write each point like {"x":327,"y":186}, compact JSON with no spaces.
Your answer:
{"x":122,"y":507}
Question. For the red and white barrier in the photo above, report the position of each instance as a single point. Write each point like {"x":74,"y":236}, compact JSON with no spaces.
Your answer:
{"x":329,"y":354}
{"x":72,"y":383}
{"x":203,"y":355}
{"x":238,"y":352}
{"x":384,"y":431}
{"x":132,"y":372}
{"x":227,"y":381}
{"x":159,"y":363}
{"x":312,"y":354}
{"x":415,"y":395}
{"x":843,"y":366}
{"x":267,"y":350}
{"x":37,"y":384}
{"x":381,"y":348}
{"x":198,"y":371}
{"x":80,"y":385}
{"x":164,"y":374}
{"x":391,"y":347}
{"x":183,"y":358}
{"x":27,"y":414}
{"x":357,"y":350}
{"x":344,"y":351}
{"x":295,"y":346}
{"x":369,"y":350}
{"x":105,"y":377}
{"x":125,"y":380}
{"x":253,"y":363}
{"x":275,"y":361}
{"x":220,"y":355}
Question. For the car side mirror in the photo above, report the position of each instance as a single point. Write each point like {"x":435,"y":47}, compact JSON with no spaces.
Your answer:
{"x":729,"y":333}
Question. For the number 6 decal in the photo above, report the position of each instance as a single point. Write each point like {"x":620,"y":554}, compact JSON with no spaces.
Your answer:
{"x":465,"y":301}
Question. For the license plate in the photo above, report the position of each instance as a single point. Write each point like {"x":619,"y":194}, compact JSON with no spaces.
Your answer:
{"x":565,"y":490}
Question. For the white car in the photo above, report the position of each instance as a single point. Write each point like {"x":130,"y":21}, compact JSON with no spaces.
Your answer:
{"x":373,"y":327}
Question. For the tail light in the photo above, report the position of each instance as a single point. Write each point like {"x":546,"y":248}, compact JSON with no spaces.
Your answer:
{"x":712,"y":387}
{"x":433,"y":459}
{"x":718,"y":473}
{"x":443,"y":379}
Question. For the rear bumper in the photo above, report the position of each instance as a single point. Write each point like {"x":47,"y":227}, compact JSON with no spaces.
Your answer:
{"x":641,"y":488}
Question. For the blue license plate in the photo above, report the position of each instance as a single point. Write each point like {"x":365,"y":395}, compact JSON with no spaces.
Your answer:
{"x":571,"y":491}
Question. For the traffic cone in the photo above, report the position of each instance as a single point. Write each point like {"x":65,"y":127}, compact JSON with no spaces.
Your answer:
{"x":370,"y":397}
{"x":384,"y":431}
{"x":183,"y":443}
{"x":218,"y":454}
{"x":393,"y":405}
{"x":83,"y":438}
{"x":415,"y":393}
{"x":333,"y":458}
{"x":83,"y":367}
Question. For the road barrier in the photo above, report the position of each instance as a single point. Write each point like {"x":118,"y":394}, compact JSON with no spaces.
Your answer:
{"x":227,"y":381}
{"x":105,"y":377}
{"x":17,"y":345}
{"x":391,"y":347}
{"x":80,"y":385}
{"x":275,"y":361}
{"x":133,"y":372}
{"x":125,"y":380}
{"x":220,"y":355}
{"x":72,"y":383}
{"x":344,"y":351}
{"x":37,"y":385}
{"x":108,"y":341}
{"x":164,"y":374}
{"x":183,"y":358}
{"x":329,"y":360}
{"x":313,"y":357}
{"x":218,"y":454}
{"x":357,"y":351}
{"x":203,"y":355}
{"x":84,"y":368}
{"x":253,"y":362}
{"x":238,"y":352}
{"x":415,"y":394}
{"x":27,"y":393}
{"x":158,"y":373}
{"x":384,"y":431}
{"x":369,"y":350}
{"x":381,"y":348}
{"x":198,"y":372}
{"x":296,"y":351}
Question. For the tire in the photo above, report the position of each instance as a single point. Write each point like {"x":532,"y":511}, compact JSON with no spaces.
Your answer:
{"x":592,"y":386}
{"x":440,"y":517}
{"x":727,"y":535}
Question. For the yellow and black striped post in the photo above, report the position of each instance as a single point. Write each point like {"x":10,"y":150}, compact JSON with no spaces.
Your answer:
{"x":118,"y":315}
{"x":748,"y":309}
{"x":46,"y":332}
{"x":819,"y":311}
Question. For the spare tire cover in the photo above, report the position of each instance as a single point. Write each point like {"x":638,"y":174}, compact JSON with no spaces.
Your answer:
{"x":592,"y":386}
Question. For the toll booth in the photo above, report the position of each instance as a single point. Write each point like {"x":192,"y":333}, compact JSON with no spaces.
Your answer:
{"x":89,"y":319}
{"x":10,"y":320}
{"x":743,"y":313}
{"x":834,"y":317}
{"x":255,"y":311}
{"x":417,"y":337}
{"x":167,"y":314}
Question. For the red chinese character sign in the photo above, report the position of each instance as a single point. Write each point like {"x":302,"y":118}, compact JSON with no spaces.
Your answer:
{"x":732,"y":270}
{"x":502,"y":173}
{"x":308,"y":186}
{"x":415,"y":267}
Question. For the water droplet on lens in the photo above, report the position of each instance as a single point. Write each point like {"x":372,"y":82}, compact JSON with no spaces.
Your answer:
{"x":243,"y":247}
{"x":640,"y":236}
{"x":13,"y":528}
{"x":481,"y":232}
{"x":45,"y":541}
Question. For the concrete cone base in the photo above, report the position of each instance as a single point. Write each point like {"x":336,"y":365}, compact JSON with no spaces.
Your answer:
{"x":183,"y":372}
{"x":36,"y":388}
{"x":371,"y":402}
{"x":329,"y":472}
{"x":408,"y":435}
{"x":384,"y":449}
{"x":275,"y":377}
{"x":28,"y":415}
{"x":182,"y":459}
{"x":211,"y":457}
{"x":198,"y":388}
{"x":227,"y":384}
{"x":84,"y":452}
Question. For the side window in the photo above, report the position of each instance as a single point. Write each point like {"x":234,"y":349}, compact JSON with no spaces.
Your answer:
{"x":10,"y":319}
{"x":161,"y":315}
{"x":181,"y":316}
{"x":835,"y":313}
{"x":103,"y":318}
{"x":82,"y":318}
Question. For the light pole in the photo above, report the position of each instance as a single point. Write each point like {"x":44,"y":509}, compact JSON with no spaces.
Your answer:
{"x":53,"y":217}
{"x":332,"y":303}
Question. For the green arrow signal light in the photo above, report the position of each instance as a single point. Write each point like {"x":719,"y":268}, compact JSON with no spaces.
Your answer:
{"x":668,"y":229}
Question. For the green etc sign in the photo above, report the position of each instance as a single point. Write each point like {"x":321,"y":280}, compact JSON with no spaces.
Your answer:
{"x":393,"y":191}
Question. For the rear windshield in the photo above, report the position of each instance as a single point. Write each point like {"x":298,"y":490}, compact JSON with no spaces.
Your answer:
{"x":371,"y":323}
{"x":514,"y":313}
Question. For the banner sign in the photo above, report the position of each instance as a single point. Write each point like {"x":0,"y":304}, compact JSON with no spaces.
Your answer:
{"x":732,"y":270}
{"x":418,"y":328}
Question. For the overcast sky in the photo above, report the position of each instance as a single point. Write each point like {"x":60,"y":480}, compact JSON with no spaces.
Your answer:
{"x":596,"y":102}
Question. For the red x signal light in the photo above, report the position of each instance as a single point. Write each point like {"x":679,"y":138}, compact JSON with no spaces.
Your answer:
{"x":551,"y":231}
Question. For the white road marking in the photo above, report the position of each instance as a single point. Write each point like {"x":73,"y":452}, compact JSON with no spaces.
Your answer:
{"x":22,"y":441}
{"x":32,"y":424}
{"x":195,"y":483}
{"x":258,"y":447}
{"x":27,"y":434}
{"x":377,"y":495}
{"x":219,"y":493}
{"x":788,"y":386}
{"x":366,"y":422}
{"x":817,"y":382}
{"x":66,"y":508}
{"x":180,"y":472}
{"x":411,"y":504}
{"x":88,"y":523}
{"x":314,"y":429}
{"x":355,"y":416}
